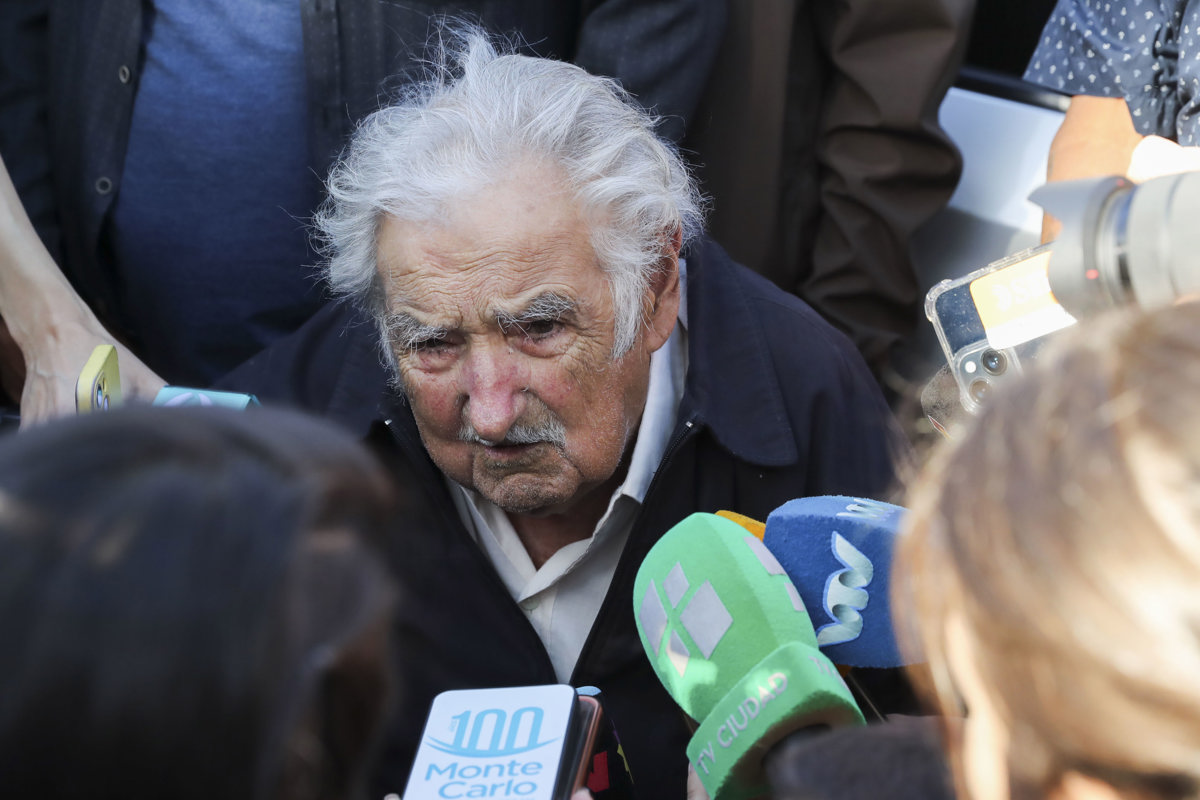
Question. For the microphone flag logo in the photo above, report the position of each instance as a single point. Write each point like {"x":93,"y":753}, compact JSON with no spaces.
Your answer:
{"x":845,"y":594}
{"x":704,"y":618}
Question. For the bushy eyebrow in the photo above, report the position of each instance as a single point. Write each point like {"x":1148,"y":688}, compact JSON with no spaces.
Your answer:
{"x":544,"y":307}
{"x":405,"y":332}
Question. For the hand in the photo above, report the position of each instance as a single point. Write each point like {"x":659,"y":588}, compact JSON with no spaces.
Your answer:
{"x":695,"y":789}
{"x":1155,"y":156}
{"x":49,"y":323}
{"x":1096,"y":138}
{"x":52,"y":367}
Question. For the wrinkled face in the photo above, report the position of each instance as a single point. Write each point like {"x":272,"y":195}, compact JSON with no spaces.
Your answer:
{"x":501,"y":322}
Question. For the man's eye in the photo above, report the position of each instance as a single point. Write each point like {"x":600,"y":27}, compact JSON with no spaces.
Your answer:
{"x":431,"y":345}
{"x":541,"y":328}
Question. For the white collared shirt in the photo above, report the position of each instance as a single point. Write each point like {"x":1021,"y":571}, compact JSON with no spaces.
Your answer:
{"x":562,"y":598}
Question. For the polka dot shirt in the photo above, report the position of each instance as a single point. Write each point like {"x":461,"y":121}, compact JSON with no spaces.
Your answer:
{"x":1147,"y":51}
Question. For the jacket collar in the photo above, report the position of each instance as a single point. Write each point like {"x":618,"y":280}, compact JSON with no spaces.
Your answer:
{"x":732,"y":387}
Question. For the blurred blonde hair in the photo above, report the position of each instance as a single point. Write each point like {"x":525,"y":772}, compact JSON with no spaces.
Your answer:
{"x":1063,"y":528}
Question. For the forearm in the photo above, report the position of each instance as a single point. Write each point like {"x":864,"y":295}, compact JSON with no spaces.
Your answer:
{"x":1096,"y":138}
{"x":35,"y":298}
{"x":49,"y":323}
{"x":48,"y":330}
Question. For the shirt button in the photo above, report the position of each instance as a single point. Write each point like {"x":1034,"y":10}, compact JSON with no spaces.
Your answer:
{"x":103,"y":185}
{"x":123,"y":74}
{"x":530,"y":604}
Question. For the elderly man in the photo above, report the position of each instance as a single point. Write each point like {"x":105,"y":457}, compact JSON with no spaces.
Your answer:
{"x":576,"y":369}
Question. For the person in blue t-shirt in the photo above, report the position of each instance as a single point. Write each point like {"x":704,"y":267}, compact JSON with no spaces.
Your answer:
{"x":169,"y":155}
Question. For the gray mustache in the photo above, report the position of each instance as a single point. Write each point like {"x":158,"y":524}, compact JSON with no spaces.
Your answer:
{"x":550,"y":430}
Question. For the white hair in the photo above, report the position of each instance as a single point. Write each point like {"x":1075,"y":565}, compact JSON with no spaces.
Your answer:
{"x":482,"y":110}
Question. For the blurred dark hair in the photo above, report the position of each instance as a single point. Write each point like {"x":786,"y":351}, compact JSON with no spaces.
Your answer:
{"x":896,"y":760}
{"x":191,"y":606}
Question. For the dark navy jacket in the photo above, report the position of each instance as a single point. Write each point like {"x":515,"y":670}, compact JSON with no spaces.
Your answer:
{"x":777,"y":405}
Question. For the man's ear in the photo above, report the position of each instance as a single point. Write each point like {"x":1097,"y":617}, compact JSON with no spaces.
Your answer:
{"x":661,"y":308}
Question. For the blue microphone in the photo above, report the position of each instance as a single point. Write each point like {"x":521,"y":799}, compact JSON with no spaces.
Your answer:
{"x":838,"y":552}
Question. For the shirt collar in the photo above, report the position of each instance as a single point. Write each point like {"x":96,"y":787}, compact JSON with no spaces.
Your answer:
{"x":668,"y":366}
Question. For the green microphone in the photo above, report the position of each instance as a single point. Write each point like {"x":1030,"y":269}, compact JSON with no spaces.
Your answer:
{"x":728,"y":636}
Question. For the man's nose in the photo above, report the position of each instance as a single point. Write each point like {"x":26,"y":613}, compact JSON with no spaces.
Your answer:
{"x":495,"y":389}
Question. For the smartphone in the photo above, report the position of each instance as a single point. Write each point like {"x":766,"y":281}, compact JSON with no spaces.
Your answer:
{"x":99,"y":388}
{"x":607,"y":775}
{"x":577,"y":755}
{"x":99,"y":385}
{"x":990,"y":321}
{"x":977,"y":367}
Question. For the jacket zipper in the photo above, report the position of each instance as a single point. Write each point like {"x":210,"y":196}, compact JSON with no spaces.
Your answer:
{"x":681,"y":435}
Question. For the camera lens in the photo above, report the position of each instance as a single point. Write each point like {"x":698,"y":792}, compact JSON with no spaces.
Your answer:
{"x":978,"y":390}
{"x":994,"y":362}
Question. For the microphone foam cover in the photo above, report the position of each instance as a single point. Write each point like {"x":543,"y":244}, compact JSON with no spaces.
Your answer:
{"x":838,"y":552}
{"x":749,"y":523}
{"x":728,"y":636}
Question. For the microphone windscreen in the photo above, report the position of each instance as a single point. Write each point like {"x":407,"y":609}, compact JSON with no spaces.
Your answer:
{"x":838,"y":552}
{"x":729,"y":637}
{"x":749,"y":523}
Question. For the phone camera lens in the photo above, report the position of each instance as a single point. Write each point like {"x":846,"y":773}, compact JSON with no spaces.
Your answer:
{"x":994,"y":362}
{"x":978,"y":390}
